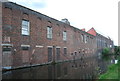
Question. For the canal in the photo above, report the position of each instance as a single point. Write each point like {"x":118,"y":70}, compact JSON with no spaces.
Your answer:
{"x":84,"y":68}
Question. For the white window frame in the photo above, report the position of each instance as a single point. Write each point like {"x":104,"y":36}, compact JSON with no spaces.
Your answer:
{"x":64,"y":35}
{"x":25,"y":27}
{"x":49,"y":32}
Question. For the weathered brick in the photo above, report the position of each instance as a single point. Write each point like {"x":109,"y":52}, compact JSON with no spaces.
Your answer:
{"x":13,"y":14}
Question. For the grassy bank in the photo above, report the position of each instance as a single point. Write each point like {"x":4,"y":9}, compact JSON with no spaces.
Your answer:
{"x":112,"y":72}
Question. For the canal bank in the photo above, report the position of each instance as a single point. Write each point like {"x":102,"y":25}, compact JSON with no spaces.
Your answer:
{"x":45,"y":64}
{"x":113,"y":71}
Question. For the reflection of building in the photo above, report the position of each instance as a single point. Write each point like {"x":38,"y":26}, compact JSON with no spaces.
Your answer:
{"x":80,"y":69}
{"x":30,"y":38}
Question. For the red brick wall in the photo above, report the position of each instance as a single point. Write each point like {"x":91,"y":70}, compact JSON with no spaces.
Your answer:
{"x":12,"y":19}
{"x":0,"y":38}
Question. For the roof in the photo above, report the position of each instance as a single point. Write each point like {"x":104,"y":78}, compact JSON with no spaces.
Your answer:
{"x":92,"y":31}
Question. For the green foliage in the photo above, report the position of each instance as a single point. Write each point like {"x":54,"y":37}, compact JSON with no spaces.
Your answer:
{"x":106,"y":57}
{"x":117,"y":50}
{"x":112,"y":72}
{"x":106,"y":51}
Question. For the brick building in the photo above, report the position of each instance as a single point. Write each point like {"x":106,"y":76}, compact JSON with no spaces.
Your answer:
{"x":30,"y":38}
{"x":102,"y":41}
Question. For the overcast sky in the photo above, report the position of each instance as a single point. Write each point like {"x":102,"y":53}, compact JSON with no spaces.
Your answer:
{"x":100,"y":14}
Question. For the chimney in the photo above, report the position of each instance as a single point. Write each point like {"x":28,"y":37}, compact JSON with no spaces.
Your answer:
{"x":65,"y":21}
{"x":83,"y":29}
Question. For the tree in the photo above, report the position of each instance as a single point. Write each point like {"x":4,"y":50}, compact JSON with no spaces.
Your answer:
{"x":106,"y":51}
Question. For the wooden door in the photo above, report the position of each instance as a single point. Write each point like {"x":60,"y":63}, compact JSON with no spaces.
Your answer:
{"x":7,"y":58}
{"x":49,"y":54}
{"x":58,"y":53}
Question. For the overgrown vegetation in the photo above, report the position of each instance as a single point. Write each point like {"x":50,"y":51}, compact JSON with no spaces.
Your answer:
{"x":117,"y":50}
{"x":106,"y":51}
{"x":112,"y":72}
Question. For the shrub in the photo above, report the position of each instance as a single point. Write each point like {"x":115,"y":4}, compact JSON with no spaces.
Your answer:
{"x":106,"y":51}
{"x":117,"y":50}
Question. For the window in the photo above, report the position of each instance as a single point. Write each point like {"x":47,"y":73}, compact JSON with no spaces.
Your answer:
{"x":50,"y":54}
{"x":85,"y":38}
{"x":64,"y":36}
{"x":49,"y":32}
{"x":65,"y":51}
{"x":6,"y":49}
{"x":82,"y":36}
{"x":75,"y":53}
{"x":25,"y":47}
{"x":25,"y":27}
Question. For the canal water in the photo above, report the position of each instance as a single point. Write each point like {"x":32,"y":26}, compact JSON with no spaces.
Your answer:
{"x":85,"y":68}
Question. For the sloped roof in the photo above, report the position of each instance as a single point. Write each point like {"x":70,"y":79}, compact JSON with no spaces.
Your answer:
{"x":92,"y":31}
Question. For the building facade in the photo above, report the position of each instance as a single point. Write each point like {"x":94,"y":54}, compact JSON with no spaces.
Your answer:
{"x":102,"y":41}
{"x":30,"y":38}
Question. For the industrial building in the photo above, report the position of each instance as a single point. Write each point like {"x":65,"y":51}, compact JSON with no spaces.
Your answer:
{"x":30,"y":38}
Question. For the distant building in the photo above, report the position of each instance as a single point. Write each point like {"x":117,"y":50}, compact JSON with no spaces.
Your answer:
{"x":102,"y":41}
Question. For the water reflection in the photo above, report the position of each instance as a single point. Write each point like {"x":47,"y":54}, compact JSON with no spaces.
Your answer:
{"x":87,"y":68}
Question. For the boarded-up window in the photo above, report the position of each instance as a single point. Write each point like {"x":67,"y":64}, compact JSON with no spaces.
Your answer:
{"x":65,"y":51}
{"x":6,"y":39}
{"x":49,"y":54}
{"x":25,"y":56}
{"x":25,"y":53}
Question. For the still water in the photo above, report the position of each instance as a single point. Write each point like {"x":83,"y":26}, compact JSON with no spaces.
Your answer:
{"x":86,"y":68}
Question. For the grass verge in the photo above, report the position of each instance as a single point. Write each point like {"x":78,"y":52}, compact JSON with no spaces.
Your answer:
{"x":112,"y":73}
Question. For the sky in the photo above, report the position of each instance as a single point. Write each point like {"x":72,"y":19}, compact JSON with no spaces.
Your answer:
{"x":99,"y":14}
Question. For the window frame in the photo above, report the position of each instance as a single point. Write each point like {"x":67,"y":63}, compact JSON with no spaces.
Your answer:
{"x":25,"y":30}
{"x":64,"y":35}
{"x":49,"y":32}
{"x":83,"y":37}
{"x":65,"y":51}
